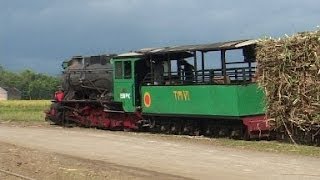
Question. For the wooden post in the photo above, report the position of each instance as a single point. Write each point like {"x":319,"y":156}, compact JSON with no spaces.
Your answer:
{"x":223,"y":65}
{"x":169,"y":69}
{"x":202,"y":65}
{"x":179,"y":70}
{"x":195,"y":66}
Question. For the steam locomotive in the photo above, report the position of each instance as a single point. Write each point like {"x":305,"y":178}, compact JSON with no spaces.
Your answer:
{"x":169,"y":90}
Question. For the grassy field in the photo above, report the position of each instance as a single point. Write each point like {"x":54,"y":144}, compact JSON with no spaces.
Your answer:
{"x":23,"y":110}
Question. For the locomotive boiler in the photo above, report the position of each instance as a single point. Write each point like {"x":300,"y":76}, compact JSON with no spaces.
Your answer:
{"x":88,"y":78}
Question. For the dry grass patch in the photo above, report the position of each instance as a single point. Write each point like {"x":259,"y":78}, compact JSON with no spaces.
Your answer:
{"x":23,"y":110}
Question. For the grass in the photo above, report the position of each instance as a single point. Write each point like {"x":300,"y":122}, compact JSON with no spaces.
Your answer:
{"x":23,"y":110}
{"x":250,"y":146}
{"x":271,"y":146}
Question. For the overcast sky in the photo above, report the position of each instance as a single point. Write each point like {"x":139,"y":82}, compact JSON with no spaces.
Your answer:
{"x":40,"y":34}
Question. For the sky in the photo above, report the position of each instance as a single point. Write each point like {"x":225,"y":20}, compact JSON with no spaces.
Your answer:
{"x":40,"y":34}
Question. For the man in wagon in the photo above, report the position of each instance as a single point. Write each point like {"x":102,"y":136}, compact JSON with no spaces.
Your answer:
{"x":188,"y":71}
{"x":158,"y":73}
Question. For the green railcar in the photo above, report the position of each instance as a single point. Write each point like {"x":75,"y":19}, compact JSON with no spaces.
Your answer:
{"x":203,"y":101}
{"x":174,"y":91}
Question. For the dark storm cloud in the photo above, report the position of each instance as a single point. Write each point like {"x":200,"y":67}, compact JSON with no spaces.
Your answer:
{"x":40,"y":34}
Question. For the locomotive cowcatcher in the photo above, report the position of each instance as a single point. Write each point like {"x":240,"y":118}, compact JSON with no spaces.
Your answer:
{"x":174,"y":90}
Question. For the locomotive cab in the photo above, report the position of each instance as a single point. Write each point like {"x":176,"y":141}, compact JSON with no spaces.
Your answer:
{"x":128,"y":74}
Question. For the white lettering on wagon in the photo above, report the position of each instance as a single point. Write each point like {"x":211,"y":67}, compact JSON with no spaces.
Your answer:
{"x":125,"y":96}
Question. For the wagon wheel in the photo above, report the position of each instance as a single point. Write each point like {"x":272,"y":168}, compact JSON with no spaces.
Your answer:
{"x":246,"y":135}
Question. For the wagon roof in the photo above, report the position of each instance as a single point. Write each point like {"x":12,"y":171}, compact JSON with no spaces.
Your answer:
{"x":201,"y":47}
{"x":190,"y":48}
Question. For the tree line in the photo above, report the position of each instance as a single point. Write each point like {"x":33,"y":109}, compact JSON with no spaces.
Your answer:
{"x":32,"y":85}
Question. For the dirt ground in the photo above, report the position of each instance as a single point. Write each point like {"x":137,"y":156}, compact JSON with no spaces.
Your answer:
{"x":48,"y":152}
{"x":36,"y":164}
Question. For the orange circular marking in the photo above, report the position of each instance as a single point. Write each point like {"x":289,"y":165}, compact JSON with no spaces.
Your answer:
{"x":147,"y":99}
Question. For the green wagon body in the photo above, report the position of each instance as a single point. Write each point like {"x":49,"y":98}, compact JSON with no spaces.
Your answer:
{"x":205,"y":100}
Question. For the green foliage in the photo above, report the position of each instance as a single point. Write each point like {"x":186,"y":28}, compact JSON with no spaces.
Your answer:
{"x":31,"y":84}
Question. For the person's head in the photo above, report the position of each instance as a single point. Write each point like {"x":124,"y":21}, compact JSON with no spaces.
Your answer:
{"x":60,"y":88}
{"x":183,"y":62}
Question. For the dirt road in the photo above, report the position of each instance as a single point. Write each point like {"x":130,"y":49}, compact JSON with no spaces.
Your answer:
{"x":17,"y":162}
{"x":171,"y":157}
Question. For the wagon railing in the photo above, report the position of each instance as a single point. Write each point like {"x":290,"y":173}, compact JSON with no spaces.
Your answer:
{"x":237,"y":75}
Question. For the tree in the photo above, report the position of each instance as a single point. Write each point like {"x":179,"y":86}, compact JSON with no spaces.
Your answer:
{"x":32,"y":85}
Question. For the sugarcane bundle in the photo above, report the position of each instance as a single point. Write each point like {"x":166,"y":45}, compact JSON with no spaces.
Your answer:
{"x":288,"y":70}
